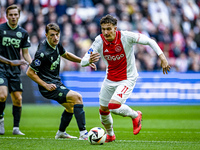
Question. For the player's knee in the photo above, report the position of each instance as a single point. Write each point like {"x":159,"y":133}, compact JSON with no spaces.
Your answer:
{"x":103,"y":112}
{"x":3,"y":97}
{"x":77,"y":98}
{"x":17,"y":101}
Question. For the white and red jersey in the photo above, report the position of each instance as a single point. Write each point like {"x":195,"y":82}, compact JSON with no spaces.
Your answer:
{"x":118,"y":55}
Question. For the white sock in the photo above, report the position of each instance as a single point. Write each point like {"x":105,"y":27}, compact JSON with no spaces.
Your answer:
{"x":107,"y":122}
{"x":124,"y":111}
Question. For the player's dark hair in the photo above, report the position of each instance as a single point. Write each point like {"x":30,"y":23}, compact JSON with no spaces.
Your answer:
{"x":12,"y":7}
{"x":52,"y":26}
{"x":108,"y":19}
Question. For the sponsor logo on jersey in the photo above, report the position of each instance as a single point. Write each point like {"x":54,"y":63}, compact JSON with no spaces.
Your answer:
{"x":55,"y":63}
{"x":90,"y":50}
{"x":114,"y":58}
{"x":7,"y":41}
{"x":37,"y":62}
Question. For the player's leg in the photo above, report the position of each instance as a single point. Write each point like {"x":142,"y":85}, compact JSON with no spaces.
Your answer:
{"x":117,"y":106}
{"x":106,"y":93}
{"x":17,"y":109}
{"x":107,"y":121}
{"x":3,"y":96}
{"x":65,"y":120}
{"x":15,"y":89}
{"x":76,"y":99}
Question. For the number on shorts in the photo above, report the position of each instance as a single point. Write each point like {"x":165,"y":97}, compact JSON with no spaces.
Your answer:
{"x":124,"y":89}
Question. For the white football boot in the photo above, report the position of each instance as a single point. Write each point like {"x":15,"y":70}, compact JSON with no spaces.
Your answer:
{"x":83,"y":135}
{"x":16,"y":131}
{"x":60,"y":134}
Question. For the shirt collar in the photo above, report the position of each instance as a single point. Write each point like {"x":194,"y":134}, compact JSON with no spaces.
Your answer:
{"x":11,"y":27}
{"x":50,"y":45}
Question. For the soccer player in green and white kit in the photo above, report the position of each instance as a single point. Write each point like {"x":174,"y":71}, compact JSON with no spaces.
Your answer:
{"x":13,"y":38}
{"x":44,"y":70}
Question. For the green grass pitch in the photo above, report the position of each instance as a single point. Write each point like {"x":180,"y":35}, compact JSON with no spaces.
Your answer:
{"x":163,"y":128}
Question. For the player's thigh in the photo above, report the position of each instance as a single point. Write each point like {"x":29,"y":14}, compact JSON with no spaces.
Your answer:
{"x":122,"y":92}
{"x":16,"y":97}
{"x":59,"y":94}
{"x":74,"y":97}
{"x":106,"y":92}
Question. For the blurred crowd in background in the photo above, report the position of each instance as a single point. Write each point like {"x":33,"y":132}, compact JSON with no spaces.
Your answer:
{"x":173,"y":24}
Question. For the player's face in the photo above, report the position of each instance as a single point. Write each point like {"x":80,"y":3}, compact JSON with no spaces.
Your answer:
{"x":13,"y":17}
{"x":53,"y":37}
{"x":109,"y":31}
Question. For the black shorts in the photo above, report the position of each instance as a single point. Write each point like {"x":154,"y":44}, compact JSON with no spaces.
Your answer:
{"x":59,"y":94}
{"x":12,"y":82}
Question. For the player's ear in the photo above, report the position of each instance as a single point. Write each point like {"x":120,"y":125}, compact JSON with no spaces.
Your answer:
{"x":115,"y":28}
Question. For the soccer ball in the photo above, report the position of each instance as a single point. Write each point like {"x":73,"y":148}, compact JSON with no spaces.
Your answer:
{"x":97,"y":136}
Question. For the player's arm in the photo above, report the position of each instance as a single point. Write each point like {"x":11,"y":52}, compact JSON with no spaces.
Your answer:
{"x":75,"y":58}
{"x":26,"y":55}
{"x":13,"y":62}
{"x":89,"y":59}
{"x":32,"y":74}
{"x":71,"y":57}
{"x":164,"y":63}
{"x":142,"y":39}
{"x":92,"y":55}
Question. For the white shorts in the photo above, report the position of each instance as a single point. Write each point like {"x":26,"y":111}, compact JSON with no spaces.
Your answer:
{"x":119,"y":91}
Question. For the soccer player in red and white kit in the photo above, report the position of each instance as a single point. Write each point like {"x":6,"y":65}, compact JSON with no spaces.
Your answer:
{"x":116,"y":50}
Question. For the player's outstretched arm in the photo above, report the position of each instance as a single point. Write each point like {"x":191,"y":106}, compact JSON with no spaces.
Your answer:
{"x":71,"y":57}
{"x":18,"y":62}
{"x":13,"y":62}
{"x":164,"y":64}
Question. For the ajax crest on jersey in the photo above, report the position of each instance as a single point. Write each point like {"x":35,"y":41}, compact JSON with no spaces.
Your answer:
{"x":97,"y":136}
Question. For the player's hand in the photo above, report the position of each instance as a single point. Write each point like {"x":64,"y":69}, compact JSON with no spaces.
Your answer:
{"x":165,"y":66}
{"x":18,"y":62}
{"x":94,"y":57}
{"x":92,"y":65}
{"x":50,"y":87}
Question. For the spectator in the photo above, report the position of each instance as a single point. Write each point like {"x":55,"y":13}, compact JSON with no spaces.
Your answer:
{"x":173,"y":33}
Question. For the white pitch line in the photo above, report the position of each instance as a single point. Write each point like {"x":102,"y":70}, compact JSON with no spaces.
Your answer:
{"x":24,"y":138}
{"x":136,"y":141}
{"x":185,"y":132}
{"x":126,"y":141}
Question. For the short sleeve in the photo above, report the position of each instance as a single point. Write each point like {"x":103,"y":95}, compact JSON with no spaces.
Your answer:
{"x":26,"y":41}
{"x":37,"y":62}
